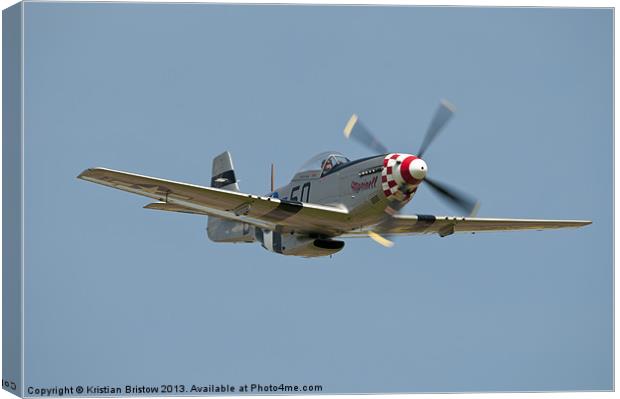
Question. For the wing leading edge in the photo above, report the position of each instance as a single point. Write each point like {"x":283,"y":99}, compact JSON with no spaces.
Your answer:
{"x":446,"y":225}
{"x":260,"y":211}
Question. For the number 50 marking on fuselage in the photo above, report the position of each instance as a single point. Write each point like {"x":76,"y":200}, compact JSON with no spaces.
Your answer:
{"x":305,"y":193}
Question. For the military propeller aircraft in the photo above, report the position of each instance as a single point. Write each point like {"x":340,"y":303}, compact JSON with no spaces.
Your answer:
{"x":330,"y":197}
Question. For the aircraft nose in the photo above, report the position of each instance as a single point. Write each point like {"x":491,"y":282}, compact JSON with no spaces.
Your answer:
{"x":418,"y":169}
{"x":412,"y":170}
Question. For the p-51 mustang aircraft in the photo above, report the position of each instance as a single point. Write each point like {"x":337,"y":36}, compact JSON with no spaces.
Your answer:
{"x":329,"y":197}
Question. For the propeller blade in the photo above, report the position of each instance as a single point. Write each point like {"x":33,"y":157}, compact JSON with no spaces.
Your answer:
{"x":356,"y":129}
{"x":456,"y":198}
{"x":391,"y":210}
{"x":381,"y":240}
{"x":442,"y":116}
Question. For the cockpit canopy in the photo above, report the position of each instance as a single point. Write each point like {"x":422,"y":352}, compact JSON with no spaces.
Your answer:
{"x":321,"y":164}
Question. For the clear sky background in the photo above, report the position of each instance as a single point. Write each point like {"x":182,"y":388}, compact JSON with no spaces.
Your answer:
{"x":117,"y":295}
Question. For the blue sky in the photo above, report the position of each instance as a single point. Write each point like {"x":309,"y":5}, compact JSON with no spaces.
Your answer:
{"x":120,"y":295}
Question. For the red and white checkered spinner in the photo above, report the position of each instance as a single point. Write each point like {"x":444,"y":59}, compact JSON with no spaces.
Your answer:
{"x":401,"y":175}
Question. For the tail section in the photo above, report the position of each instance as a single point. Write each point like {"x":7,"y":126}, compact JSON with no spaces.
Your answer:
{"x":222,"y":230}
{"x":223,"y":173}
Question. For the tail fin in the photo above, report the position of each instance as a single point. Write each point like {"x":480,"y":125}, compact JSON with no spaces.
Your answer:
{"x":222,"y":230}
{"x":223,"y":173}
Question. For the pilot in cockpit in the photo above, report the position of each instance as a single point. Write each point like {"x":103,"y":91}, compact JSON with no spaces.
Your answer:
{"x":327,"y":164}
{"x":331,"y":162}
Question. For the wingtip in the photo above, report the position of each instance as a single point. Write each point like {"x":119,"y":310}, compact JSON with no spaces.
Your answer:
{"x":82,"y":174}
{"x":86,"y":172}
{"x":580,"y":223}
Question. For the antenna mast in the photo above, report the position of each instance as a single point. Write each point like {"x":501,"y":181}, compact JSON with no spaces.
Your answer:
{"x":272,"y":177}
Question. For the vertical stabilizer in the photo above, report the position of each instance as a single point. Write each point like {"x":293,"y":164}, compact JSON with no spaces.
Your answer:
{"x":222,"y":230}
{"x":223,"y":173}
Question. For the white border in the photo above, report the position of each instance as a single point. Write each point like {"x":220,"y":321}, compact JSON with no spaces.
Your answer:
{"x":480,"y":3}
{"x":23,"y":188}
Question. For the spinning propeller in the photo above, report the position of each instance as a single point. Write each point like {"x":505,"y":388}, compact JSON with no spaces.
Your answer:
{"x":356,"y":130}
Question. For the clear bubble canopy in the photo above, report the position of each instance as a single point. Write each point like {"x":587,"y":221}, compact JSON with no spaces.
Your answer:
{"x":324,"y":161}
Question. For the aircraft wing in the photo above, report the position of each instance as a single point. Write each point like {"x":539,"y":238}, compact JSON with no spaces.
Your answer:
{"x":446,"y":225}
{"x":260,"y":211}
{"x":164,"y":206}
